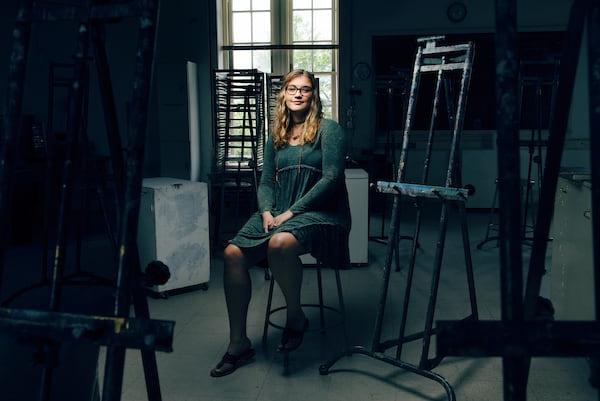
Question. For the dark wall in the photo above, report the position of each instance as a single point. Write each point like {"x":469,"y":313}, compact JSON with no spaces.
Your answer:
{"x":184,"y":33}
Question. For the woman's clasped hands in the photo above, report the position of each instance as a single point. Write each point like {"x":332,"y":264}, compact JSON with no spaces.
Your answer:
{"x":270,"y":222}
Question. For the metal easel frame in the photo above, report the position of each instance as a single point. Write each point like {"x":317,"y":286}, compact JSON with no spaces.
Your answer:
{"x":51,"y":328}
{"x":430,"y":58}
{"x":390,"y":157}
{"x":517,"y":337}
{"x":534,"y":145}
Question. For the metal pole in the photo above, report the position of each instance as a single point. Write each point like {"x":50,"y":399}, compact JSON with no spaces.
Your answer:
{"x":593,"y":27}
{"x":389,"y":251}
{"x":454,"y":157}
{"x":75,"y":123}
{"x":435,"y":280}
{"x":395,"y":217}
{"x":108,"y":106}
{"x":113,"y":377}
{"x":410,"y":111}
{"x":12,"y":115}
{"x":507,"y":120}
{"x":413,"y":253}
{"x":557,"y":132}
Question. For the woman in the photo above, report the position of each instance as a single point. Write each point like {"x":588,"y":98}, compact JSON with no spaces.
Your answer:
{"x":303,"y":207}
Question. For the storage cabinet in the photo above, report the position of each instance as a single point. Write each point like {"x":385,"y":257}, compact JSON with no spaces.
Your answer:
{"x":173,"y":228}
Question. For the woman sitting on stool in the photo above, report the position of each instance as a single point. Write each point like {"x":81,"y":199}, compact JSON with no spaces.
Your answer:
{"x":303,"y":207}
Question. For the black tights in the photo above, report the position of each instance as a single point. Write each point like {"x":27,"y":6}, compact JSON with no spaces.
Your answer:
{"x":282,"y":251}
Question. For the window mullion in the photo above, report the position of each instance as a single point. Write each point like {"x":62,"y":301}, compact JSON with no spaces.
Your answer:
{"x":286,"y":35}
{"x":278,"y":36}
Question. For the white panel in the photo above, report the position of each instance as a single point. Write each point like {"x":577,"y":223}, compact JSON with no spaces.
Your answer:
{"x":357,"y":183}
{"x":146,"y":228}
{"x":194,"y":120}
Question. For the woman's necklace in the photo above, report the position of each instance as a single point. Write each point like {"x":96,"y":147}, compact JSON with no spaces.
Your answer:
{"x":297,"y":130}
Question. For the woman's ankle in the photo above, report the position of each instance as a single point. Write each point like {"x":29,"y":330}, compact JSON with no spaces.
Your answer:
{"x":238,"y":346}
{"x":296,"y":320}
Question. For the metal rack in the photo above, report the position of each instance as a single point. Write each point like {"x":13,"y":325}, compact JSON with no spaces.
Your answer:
{"x":239,"y":137}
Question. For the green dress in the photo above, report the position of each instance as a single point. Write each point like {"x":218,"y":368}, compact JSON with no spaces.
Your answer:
{"x":309,"y":181}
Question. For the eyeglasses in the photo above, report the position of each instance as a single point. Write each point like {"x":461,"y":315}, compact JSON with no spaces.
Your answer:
{"x":304,"y":90}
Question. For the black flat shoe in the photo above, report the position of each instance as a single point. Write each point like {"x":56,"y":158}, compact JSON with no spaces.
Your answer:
{"x":291,"y":339}
{"x":229,"y":363}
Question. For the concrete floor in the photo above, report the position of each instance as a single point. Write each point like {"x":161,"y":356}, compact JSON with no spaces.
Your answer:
{"x":201,"y":335}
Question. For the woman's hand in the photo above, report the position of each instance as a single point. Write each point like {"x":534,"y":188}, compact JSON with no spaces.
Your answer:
{"x":279,"y":220}
{"x":267,"y":220}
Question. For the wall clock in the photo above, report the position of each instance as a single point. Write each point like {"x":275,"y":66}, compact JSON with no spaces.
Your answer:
{"x":362,"y":71}
{"x":456,"y":11}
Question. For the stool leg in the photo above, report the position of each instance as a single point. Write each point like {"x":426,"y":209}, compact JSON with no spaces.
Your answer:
{"x":338,"y":282}
{"x":320,"y":286}
{"x":268,"y":312}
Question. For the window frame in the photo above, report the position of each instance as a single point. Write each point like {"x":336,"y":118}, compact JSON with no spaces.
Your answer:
{"x":282,"y":44}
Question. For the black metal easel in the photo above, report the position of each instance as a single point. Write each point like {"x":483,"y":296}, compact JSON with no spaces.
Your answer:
{"x":541,"y":81}
{"x":49,"y":328}
{"x":441,"y":60}
{"x":541,"y":78}
{"x":76,"y":151}
{"x":393,"y":88}
{"x":518,"y":337}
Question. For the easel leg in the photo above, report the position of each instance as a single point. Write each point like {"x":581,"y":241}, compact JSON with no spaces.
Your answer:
{"x":435,"y":281}
{"x":390,"y":248}
{"x":113,"y":374}
{"x":408,"y":287}
{"x":140,"y":304}
{"x":468,"y":260}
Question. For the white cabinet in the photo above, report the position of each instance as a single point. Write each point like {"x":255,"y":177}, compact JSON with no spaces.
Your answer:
{"x":173,"y":228}
{"x":357,"y":183}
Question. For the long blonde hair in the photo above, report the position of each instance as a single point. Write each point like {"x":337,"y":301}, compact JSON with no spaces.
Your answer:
{"x":282,"y":123}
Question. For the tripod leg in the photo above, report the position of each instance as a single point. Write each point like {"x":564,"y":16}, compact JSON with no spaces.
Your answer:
{"x":396,"y":242}
{"x":435,"y":280}
{"x":48,"y":195}
{"x":75,"y":122}
{"x":390,"y":247}
{"x":113,"y":380}
{"x":468,"y":260}
{"x":15,"y":89}
{"x":408,"y":288}
{"x":113,"y":373}
{"x":140,"y":304}
{"x":83,"y":205}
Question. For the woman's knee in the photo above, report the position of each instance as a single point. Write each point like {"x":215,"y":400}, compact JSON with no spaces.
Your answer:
{"x":283,"y":243}
{"x":233,"y":256}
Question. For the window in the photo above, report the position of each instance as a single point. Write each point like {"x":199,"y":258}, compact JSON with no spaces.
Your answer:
{"x":312,"y":24}
{"x":250,"y":24}
{"x":275,"y":36}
